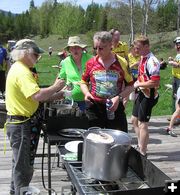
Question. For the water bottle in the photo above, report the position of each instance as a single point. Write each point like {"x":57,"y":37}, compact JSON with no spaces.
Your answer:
{"x":110,"y":114}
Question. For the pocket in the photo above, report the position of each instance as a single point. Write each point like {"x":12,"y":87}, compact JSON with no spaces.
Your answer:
{"x":13,"y":132}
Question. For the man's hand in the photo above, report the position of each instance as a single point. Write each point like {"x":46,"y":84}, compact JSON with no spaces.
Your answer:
{"x":89,"y":98}
{"x":59,"y":84}
{"x":136,"y":84}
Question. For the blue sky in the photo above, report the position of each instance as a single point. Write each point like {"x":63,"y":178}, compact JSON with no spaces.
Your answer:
{"x":18,"y":6}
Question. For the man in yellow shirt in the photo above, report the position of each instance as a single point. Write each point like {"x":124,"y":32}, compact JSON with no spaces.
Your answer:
{"x":22,"y":100}
{"x":119,"y":47}
{"x":175,"y":63}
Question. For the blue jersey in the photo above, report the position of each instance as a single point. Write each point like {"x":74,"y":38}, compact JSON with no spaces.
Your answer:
{"x":3,"y":55}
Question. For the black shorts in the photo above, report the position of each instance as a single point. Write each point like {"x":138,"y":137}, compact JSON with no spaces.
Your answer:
{"x":2,"y":81}
{"x":97,"y":116}
{"x":143,"y":107}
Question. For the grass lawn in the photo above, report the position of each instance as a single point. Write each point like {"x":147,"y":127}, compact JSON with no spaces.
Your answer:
{"x":161,"y":48}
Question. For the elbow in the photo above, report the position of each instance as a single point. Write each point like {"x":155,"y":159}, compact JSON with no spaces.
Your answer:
{"x":39,"y":97}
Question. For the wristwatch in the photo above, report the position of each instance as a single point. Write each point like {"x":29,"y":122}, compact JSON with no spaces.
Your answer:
{"x":120,"y":98}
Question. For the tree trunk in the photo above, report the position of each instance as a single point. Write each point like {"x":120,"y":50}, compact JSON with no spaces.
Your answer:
{"x":145,"y":11}
{"x":132,"y":21}
{"x":178,"y":18}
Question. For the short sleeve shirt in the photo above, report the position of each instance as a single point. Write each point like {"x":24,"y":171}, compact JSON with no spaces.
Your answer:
{"x":149,"y":69}
{"x":106,"y":83}
{"x":133,"y":60}
{"x":122,"y":49}
{"x":176,"y":70}
{"x":20,"y":86}
{"x":70,"y":73}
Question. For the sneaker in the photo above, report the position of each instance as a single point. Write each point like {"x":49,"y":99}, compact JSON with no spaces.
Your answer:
{"x":137,"y":147}
{"x":171,"y":132}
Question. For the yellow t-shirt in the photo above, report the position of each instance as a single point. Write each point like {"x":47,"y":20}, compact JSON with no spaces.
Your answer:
{"x":133,"y":60}
{"x":176,"y":70}
{"x":20,"y":86}
{"x":121,"y":49}
{"x":125,"y":67}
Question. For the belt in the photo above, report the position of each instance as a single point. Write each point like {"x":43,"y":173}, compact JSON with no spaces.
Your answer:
{"x":17,"y":117}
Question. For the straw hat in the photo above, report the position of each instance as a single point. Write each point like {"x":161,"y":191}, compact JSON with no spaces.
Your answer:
{"x":75,"y":41}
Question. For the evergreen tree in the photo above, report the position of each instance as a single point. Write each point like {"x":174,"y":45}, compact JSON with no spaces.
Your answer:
{"x":31,"y":5}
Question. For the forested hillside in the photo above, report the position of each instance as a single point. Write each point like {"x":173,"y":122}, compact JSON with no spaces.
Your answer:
{"x":64,"y":19}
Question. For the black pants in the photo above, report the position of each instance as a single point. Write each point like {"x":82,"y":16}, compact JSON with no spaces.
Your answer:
{"x":2,"y":81}
{"x":97,"y":117}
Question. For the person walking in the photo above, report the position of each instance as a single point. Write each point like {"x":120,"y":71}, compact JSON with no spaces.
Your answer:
{"x":147,"y":83}
{"x":4,"y":67}
{"x":73,"y":67}
{"x":102,"y":85}
{"x":174,"y":115}
{"x":23,"y":122}
{"x":175,"y":63}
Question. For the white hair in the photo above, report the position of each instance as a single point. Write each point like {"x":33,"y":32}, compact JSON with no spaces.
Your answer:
{"x":17,"y":55}
{"x":103,"y":36}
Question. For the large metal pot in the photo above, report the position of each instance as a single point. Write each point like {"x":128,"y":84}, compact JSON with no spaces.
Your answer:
{"x":106,"y":161}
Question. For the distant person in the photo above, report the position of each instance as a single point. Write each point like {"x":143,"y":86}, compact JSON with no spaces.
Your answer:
{"x":50,"y":50}
{"x":4,"y":66}
{"x":134,"y":60}
{"x":119,"y":47}
{"x":175,"y":63}
{"x":102,"y":82}
{"x":73,"y":67}
{"x":147,"y":83}
{"x":174,"y":116}
{"x":62,"y":55}
{"x":23,"y":124}
{"x":163,"y":64}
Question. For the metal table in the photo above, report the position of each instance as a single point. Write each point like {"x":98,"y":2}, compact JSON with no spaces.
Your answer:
{"x":51,"y":136}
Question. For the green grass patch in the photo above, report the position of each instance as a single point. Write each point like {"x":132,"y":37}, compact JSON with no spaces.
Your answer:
{"x":161,"y":44}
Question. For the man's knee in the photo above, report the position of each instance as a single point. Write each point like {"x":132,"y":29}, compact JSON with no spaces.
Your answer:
{"x":134,"y":120}
{"x":143,"y":125}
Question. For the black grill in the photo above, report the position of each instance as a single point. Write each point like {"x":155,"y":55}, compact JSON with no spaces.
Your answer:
{"x":142,"y":178}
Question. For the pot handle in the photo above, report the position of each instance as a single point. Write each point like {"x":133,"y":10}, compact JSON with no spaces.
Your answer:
{"x":89,"y":129}
{"x":114,"y":146}
{"x":94,"y":128}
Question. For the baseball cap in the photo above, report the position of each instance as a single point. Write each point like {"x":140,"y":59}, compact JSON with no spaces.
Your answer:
{"x":177,"y":40}
{"x":27,"y":44}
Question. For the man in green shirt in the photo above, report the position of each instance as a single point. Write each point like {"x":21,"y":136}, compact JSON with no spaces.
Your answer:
{"x":73,"y":66}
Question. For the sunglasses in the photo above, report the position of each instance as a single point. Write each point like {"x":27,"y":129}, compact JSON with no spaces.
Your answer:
{"x":98,"y":48}
{"x":36,"y":55}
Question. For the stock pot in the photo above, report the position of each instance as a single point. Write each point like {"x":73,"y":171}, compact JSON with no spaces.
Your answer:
{"x":106,"y":161}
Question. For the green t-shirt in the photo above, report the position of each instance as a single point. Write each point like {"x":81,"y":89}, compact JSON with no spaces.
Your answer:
{"x":70,"y":73}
